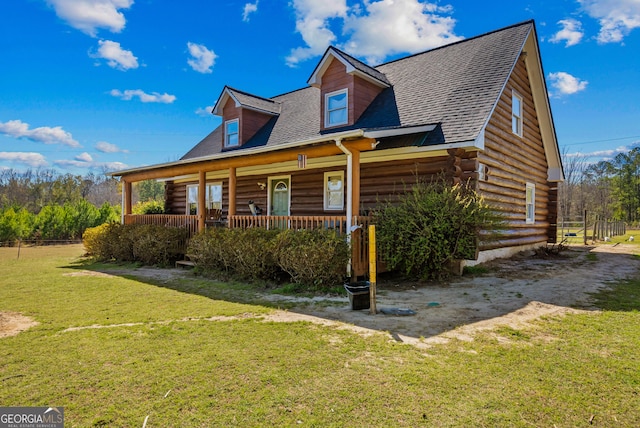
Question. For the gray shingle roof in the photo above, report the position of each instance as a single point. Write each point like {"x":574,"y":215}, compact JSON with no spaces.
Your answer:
{"x":456,"y":86}
{"x":361,"y":66}
{"x":255,"y":102}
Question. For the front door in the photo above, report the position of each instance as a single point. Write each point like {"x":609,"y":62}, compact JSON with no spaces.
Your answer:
{"x":280,"y":196}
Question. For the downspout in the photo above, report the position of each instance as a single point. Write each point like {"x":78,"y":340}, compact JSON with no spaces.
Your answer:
{"x":349,"y":194}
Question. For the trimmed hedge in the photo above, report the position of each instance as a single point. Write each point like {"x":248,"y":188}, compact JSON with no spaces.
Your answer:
{"x":148,"y":244}
{"x":314,"y":259}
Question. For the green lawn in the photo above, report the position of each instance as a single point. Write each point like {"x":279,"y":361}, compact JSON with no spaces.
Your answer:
{"x":245,"y":372}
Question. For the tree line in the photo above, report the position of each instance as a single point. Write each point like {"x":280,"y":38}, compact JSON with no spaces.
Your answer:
{"x":609,"y":189}
{"x":45,"y":205}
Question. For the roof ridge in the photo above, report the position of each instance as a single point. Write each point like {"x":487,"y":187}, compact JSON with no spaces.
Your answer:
{"x":529,"y":21}
{"x":249,"y":94}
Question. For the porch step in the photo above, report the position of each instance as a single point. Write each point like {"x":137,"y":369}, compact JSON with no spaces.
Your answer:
{"x":185,"y":264}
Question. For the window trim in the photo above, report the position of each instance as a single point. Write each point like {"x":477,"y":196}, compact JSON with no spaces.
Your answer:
{"x":327,"y":124}
{"x":187,"y":210}
{"x":328,"y":174}
{"x":226,"y":134}
{"x":207,"y":200}
{"x":518,"y":117}
{"x":530,"y":219}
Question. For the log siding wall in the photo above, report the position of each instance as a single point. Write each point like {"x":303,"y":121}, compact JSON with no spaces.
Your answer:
{"x":379,"y":181}
{"x":511,"y":162}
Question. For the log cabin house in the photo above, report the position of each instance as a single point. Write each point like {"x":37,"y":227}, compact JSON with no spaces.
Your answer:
{"x":476,"y":111}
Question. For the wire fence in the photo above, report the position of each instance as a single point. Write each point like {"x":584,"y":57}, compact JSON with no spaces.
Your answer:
{"x":19,"y":246}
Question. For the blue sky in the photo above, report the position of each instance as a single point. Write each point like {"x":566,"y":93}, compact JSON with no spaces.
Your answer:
{"x":93,"y":85}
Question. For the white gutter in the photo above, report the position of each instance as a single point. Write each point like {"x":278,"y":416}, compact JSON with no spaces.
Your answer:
{"x":349,"y":193}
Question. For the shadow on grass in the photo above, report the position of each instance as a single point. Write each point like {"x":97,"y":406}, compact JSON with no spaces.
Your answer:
{"x":523,"y":288}
{"x":623,"y":296}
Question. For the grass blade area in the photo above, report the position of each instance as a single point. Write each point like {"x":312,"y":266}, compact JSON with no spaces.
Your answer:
{"x":242,"y":371}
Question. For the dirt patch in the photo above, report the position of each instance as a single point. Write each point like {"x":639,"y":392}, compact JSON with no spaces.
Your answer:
{"x":12,"y":323}
{"x":513,"y":293}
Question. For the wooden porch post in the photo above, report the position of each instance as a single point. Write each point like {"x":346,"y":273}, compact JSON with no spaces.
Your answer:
{"x":355,"y":183}
{"x":126,"y":188}
{"x":232,"y":191}
{"x":202,"y":199}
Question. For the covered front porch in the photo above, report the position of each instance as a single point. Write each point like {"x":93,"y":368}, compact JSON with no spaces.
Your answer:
{"x":264,"y":189}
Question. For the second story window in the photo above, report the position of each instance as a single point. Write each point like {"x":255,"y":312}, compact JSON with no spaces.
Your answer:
{"x":231,"y":133}
{"x":336,"y":108}
{"x":516,"y":114}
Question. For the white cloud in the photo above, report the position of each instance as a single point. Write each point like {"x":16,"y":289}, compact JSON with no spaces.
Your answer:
{"x":31,"y":159}
{"x":116,"y":57}
{"x":76,"y":163}
{"x":84,"y":157}
{"x":204,"y":111}
{"x":249,"y":8}
{"x":394,"y":26}
{"x":312,"y":22}
{"x":43,"y":134}
{"x":374,"y":29}
{"x":571,"y":32}
{"x":566,"y":84}
{"x":202,"y":59}
{"x":89,"y":15}
{"x":600,"y":153}
{"x":104,"y":147}
{"x":617,"y":17}
{"x":153,"y":97}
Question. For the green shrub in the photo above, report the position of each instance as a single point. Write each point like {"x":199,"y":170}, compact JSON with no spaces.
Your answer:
{"x":157,"y":245}
{"x":251,"y":253}
{"x":246,"y":254}
{"x":314,"y":258}
{"x":15,"y":225}
{"x":111,"y":241}
{"x":207,"y":250}
{"x":108,"y":213}
{"x":431,"y":225}
{"x":149,"y":207}
{"x":148,"y":244}
{"x":93,"y":240}
{"x":52,"y":223}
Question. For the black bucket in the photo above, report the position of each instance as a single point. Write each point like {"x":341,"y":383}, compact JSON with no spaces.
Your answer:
{"x":358,"y":295}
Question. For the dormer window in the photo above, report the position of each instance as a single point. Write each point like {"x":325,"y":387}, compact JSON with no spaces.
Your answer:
{"x":231,"y":133}
{"x":336,"y":108}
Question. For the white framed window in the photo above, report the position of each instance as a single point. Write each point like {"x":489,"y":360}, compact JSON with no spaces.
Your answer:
{"x":336,"y":108}
{"x":334,"y":190}
{"x":231,"y":133}
{"x":516,"y":114}
{"x":530,"y":203}
{"x":213,"y":199}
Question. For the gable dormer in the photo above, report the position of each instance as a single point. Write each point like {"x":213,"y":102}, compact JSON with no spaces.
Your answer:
{"x":242,"y":115}
{"x":347,"y":87}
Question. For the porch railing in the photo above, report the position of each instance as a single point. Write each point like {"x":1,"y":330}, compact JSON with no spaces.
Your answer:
{"x":189,"y":222}
{"x":338,"y":223}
